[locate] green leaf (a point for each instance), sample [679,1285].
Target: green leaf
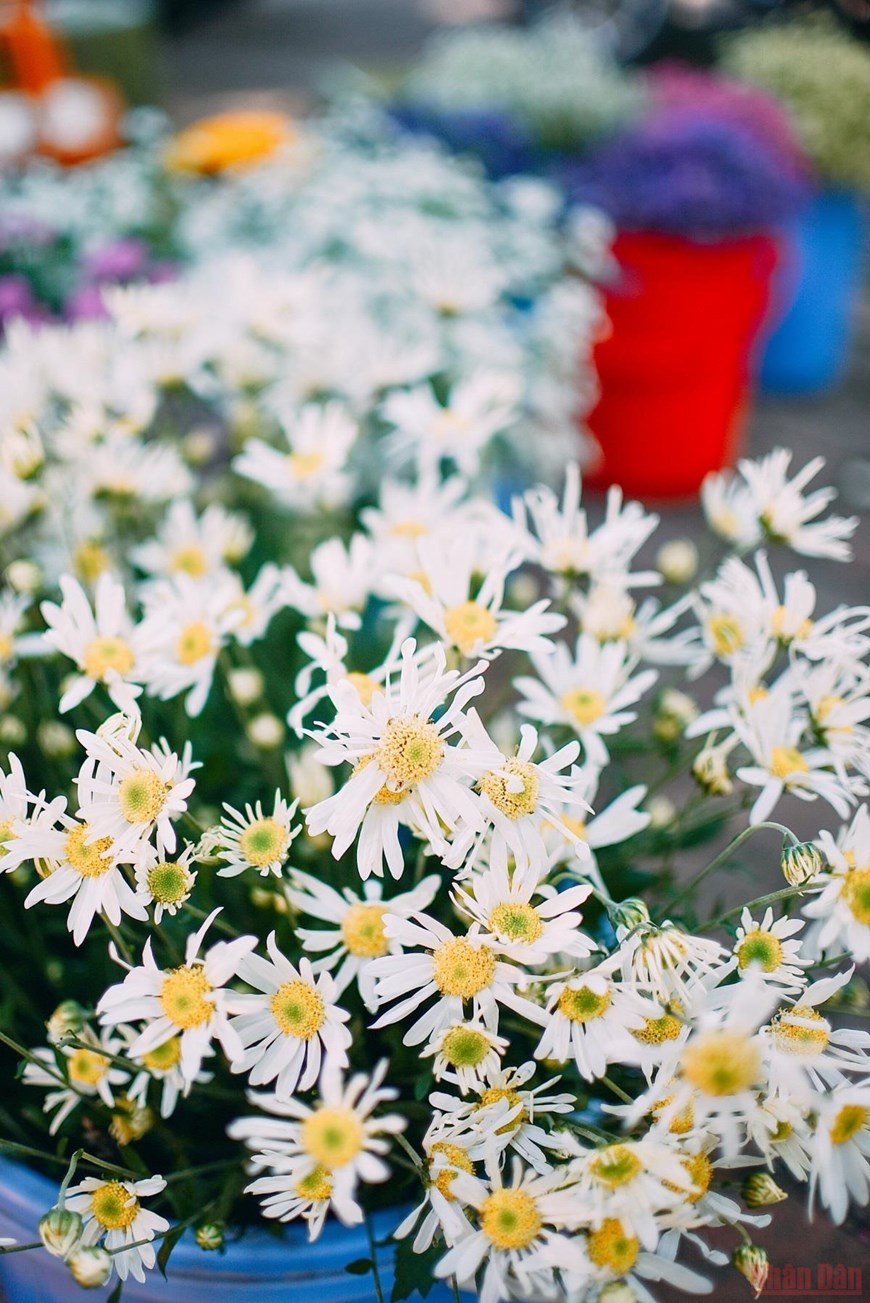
[359,1267]
[415,1272]
[115,1296]
[170,1240]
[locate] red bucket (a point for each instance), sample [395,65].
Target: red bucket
[674,370]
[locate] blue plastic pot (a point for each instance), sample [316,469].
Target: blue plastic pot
[816,292]
[256,1267]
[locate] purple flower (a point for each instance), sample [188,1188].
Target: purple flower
[86,304]
[494,136]
[120,261]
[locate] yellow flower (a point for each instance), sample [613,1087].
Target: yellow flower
[229,140]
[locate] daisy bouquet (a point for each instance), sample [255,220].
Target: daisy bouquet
[341,857]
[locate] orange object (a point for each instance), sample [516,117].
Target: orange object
[76,118]
[675,369]
[229,140]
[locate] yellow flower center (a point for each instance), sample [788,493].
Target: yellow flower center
[655,1031]
[493,1094]
[583,1004]
[515,922]
[408,529]
[365,686]
[465,1047]
[316,1186]
[762,948]
[105,654]
[512,799]
[469,624]
[169,882]
[190,560]
[89,560]
[681,1123]
[801,1031]
[410,751]
[615,1165]
[163,1057]
[333,1136]
[611,1246]
[142,795]
[263,842]
[183,996]
[778,621]
[851,1119]
[726,634]
[298,1009]
[457,1158]
[194,642]
[785,761]
[510,1219]
[363,932]
[856,893]
[86,1067]
[7,832]
[700,1172]
[114,1207]
[90,859]
[459,968]
[305,465]
[575,826]
[584,705]
[721,1063]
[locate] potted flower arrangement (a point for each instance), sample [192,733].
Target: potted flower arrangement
[516,97]
[344,947]
[820,74]
[696,189]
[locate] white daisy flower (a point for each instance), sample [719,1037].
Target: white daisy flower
[805,1052]
[454,969]
[515,1242]
[667,961]
[429,434]
[102,642]
[357,933]
[765,948]
[611,824]
[517,799]
[342,579]
[465,1054]
[589,1018]
[162,1065]
[520,1108]
[312,472]
[786,515]
[589,691]
[292,1027]
[167,884]
[195,545]
[249,611]
[527,930]
[440,593]
[14,803]
[113,1215]
[632,1182]
[405,769]
[255,840]
[841,912]
[841,1151]
[408,513]
[837,696]
[89,1070]
[128,794]
[318,1155]
[191,1002]
[77,865]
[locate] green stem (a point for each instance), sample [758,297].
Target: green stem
[27,1151]
[722,857]
[219,925]
[38,1062]
[617,1090]
[785,894]
[122,947]
[20,1248]
[379,1293]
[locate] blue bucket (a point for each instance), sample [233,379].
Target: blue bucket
[818,283]
[258,1266]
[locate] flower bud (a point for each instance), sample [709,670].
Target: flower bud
[266,731]
[55,739]
[310,778]
[710,771]
[800,863]
[752,1262]
[68,1019]
[661,811]
[60,1231]
[131,1121]
[760,1189]
[630,913]
[678,560]
[12,731]
[24,576]
[210,1235]
[675,711]
[245,685]
[617,1291]
[90,1266]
